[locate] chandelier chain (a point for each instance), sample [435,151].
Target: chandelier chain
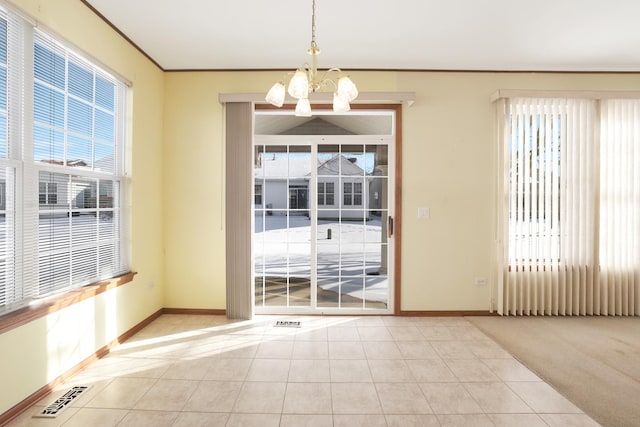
[313,24]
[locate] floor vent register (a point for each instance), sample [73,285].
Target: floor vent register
[60,404]
[288,324]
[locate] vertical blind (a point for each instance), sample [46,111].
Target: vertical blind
[619,251]
[61,184]
[238,230]
[569,207]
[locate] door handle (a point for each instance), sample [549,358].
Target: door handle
[390,226]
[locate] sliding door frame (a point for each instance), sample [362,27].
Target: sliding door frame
[397,191]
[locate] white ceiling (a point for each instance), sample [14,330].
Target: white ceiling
[502,35]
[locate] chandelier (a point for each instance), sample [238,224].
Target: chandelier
[306,80]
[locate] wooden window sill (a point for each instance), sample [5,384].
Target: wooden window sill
[50,305]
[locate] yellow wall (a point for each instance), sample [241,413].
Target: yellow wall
[449,142]
[37,353]
[449,165]
[194,179]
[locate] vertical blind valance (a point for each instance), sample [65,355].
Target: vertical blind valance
[568,207]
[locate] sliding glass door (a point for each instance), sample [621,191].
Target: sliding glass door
[351,241]
[282,230]
[321,240]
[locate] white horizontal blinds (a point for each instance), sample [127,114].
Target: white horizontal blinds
[550,193]
[75,110]
[12,34]
[11,70]
[77,136]
[4,71]
[619,252]
[7,242]
[8,289]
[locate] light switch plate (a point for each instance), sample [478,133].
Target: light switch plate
[424,213]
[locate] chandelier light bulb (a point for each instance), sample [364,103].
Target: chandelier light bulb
[340,104]
[275,96]
[303,108]
[299,85]
[347,89]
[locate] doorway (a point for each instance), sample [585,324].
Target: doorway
[298,197]
[323,235]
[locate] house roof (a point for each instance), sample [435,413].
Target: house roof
[502,35]
[274,166]
[340,165]
[76,162]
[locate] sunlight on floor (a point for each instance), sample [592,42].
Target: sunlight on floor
[184,370]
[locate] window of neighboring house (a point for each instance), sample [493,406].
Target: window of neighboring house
[257,194]
[2,196]
[68,148]
[48,193]
[325,194]
[347,194]
[352,195]
[357,193]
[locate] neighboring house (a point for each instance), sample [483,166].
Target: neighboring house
[344,196]
[3,196]
[56,192]
[342,186]
[277,192]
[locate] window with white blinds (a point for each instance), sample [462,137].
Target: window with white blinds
[61,141]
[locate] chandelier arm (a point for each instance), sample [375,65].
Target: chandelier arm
[330,70]
[286,76]
[325,82]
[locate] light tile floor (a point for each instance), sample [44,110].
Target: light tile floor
[332,371]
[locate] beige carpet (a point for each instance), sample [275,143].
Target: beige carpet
[593,361]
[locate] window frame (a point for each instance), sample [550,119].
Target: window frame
[357,194]
[257,194]
[347,194]
[24,211]
[50,194]
[326,194]
[353,195]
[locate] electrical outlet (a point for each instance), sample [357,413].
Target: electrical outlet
[480,281]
